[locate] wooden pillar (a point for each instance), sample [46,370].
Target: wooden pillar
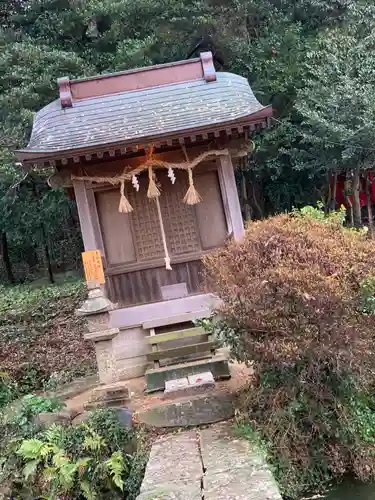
[86,211]
[231,202]
[89,221]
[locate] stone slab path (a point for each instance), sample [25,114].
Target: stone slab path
[207,464]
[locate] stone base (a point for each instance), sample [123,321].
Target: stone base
[109,396]
[190,412]
[193,385]
[217,365]
[129,369]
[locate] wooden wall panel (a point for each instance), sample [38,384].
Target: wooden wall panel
[210,213]
[115,227]
[179,218]
[147,234]
[140,287]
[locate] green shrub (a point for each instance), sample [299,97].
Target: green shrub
[31,405]
[18,419]
[30,377]
[293,303]
[56,473]
[367,296]
[95,460]
[8,389]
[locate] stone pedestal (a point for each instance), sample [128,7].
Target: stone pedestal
[96,311]
[109,396]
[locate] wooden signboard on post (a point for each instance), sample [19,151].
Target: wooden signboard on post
[93,266]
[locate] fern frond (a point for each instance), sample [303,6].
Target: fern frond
[88,492]
[67,475]
[49,474]
[116,467]
[94,442]
[31,448]
[30,468]
[47,449]
[82,464]
[55,435]
[60,459]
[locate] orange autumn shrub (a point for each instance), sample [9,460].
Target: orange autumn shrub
[291,303]
[292,288]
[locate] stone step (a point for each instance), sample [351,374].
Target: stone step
[202,409]
[209,464]
[166,453]
[235,469]
[217,365]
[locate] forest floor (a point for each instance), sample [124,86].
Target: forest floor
[41,339]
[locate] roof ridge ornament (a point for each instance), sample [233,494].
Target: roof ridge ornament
[208,67]
[65,92]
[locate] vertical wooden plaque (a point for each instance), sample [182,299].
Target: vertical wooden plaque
[93,266]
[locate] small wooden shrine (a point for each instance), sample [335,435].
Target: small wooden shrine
[150,154]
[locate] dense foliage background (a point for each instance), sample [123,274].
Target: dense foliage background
[313,60]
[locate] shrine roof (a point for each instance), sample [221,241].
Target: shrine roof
[187,97]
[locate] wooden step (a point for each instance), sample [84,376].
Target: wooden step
[178,318]
[176,335]
[179,352]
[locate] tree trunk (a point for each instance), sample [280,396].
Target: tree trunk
[348,202]
[369,206]
[332,206]
[328,201]
[357,216]
[48,257]
[245,199]
[44,240]
[6,259]
[256,204]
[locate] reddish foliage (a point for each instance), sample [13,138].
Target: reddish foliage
[43,336]
[292,288]
[291,303]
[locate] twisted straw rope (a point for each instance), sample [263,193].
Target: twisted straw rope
[152,162]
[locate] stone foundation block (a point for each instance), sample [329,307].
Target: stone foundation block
[190,386]
[174,385]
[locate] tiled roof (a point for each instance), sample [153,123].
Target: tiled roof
[143,115]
